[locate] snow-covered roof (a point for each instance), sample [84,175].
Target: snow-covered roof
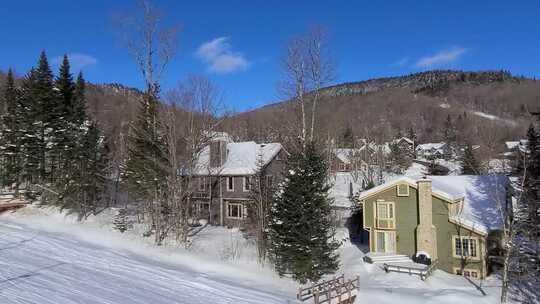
[406,139]
[431,146]
[511,145]
[344,154]
[224,136]
[481,195]
[522,145]
[243,158]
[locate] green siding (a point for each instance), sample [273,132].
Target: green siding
[407,220]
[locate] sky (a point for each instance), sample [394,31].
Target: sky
[240,44]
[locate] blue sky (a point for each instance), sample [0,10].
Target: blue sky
[239,44]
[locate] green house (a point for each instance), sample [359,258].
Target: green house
[454,220]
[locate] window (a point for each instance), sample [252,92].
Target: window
[469,273]
[202,184]
[235,210]
[269,181]
[385,215]
[465,247]
[247,183]
[403,190]
[230,183]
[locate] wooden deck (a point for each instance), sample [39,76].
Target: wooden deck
[423,271]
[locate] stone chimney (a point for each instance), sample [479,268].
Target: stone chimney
[218,153]
[426,233]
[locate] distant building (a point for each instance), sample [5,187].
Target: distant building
[224,174]
[431,151]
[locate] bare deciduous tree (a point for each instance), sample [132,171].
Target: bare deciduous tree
[307,68]
[151,44]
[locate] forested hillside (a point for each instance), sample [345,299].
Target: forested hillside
[487,108]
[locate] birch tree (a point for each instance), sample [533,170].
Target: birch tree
[307,68]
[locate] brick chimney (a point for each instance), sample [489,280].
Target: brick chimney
[218,153]
[426,233]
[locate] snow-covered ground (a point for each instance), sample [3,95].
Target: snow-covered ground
[48,257]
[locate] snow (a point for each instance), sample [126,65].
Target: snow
[340,190]
[48,259]
[377,286]
[431,147]
[483,196]
[344,154]
[243,158]
[494,117]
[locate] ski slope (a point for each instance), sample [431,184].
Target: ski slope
[43,266]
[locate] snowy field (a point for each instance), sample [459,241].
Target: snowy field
[50,258]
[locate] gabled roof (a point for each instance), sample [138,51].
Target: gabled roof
[344,154]
[406,139]
[482,197]
[243,158]
[431,146]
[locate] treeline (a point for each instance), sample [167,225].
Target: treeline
[48,144]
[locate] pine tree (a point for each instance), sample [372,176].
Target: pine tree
[436,169]
[146,161]
[302,240]
[469,163]
[32,145]
[78,110]
[10,142]
[120,221]
[41,104]
[450,137]
[65,135]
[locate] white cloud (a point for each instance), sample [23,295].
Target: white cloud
[77,61]
[441,58]
[402,62]
[220,58]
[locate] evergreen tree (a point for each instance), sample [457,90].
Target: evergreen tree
[78,110]
[532,178]
[32,145]
[412,136]
[120,220]
[302,237]
[450,138]
[10,141]
[436,169]
[146,161]
[348,137]
[66,135]
[41,103]
[400,158]
[469,163]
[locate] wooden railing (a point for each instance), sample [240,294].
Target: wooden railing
[424,273]
[337,290]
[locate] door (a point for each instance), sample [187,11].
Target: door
[385,242]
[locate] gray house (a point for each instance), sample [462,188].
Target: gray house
[224,177]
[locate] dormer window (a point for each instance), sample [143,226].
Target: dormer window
[402,190]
